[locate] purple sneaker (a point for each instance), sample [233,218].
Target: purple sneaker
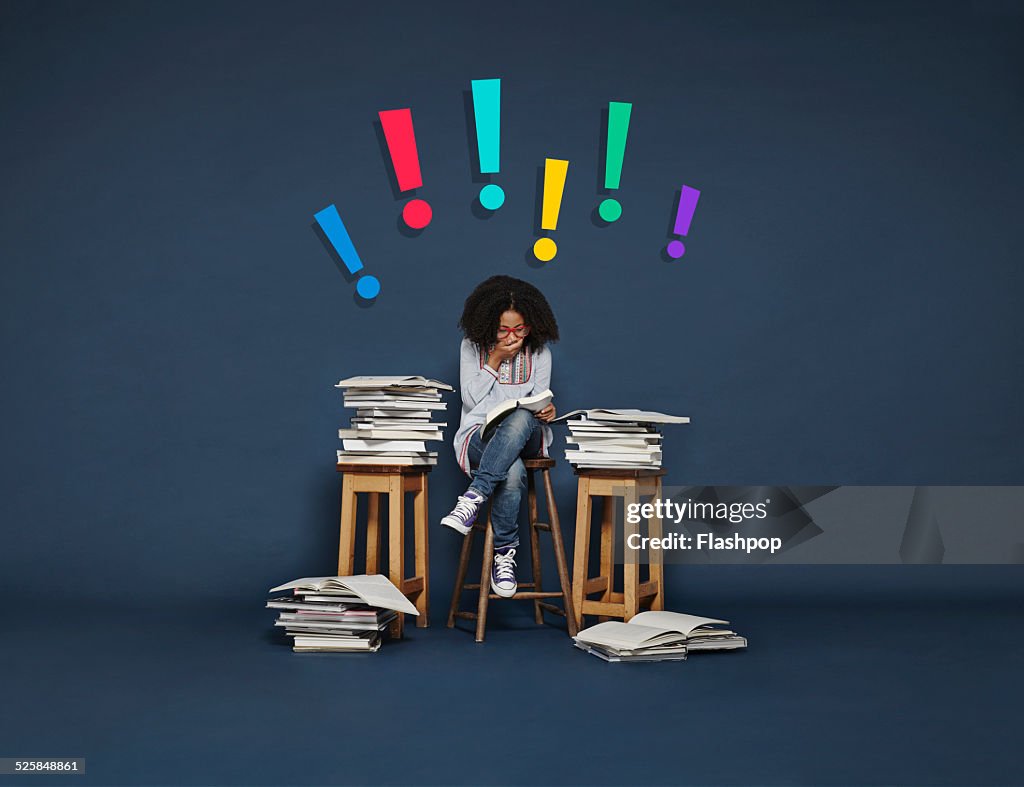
[463,516]
[503,572]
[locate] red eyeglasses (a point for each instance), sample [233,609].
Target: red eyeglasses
[519,331]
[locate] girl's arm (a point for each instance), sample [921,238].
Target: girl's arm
[541,370]
[474,383]
[542,381]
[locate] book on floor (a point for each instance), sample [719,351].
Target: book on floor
[500,412]
[338,614]
[657,636]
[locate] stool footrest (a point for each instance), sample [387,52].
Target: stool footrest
[542,526]
[602,608]
[530,594]
[412,585]
[551,608]
[595,585]
[465,615]
[476,586]
[647,589]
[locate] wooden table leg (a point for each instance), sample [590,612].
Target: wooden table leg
[421,521]
[631,560]
[396,543]
[581,552]
[372,532]
[347,529]
[607,549]
[657,556]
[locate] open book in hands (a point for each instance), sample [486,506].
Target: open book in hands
[500,412]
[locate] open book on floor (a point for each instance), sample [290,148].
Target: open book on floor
[500,412]
[657,636]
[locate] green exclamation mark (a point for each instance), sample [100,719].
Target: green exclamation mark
[618,128]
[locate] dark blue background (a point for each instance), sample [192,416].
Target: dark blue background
[848,310]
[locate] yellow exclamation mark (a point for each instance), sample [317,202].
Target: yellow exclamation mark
[555,170]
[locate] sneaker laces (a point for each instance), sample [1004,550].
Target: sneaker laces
[464,508]
[504,565]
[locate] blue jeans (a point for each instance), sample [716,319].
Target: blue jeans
[499,473]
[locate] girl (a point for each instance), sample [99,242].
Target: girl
[507,324]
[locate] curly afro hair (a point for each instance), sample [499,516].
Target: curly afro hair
[481,315]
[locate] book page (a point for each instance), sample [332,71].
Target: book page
[623,636]
[672,621]
[307,583]
[377,590]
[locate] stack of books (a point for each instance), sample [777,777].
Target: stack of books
[615,438]
[657,636]
[392,423]
[338,614]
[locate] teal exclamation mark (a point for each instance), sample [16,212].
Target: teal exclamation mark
[487,115]
[618,128]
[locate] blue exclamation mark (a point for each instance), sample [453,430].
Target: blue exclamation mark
[487,114]
[334,228]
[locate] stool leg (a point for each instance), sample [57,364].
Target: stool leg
[460,575]
[420,519]
[607,550]
[631,567]
[656,556]
[372,533]
[581,553]
[396,543]
[560,562]
[485,580]
[531,498]
[347,538]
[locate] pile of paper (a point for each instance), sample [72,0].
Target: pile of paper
[616,438]
[392,423]
[657,636]
[338,614]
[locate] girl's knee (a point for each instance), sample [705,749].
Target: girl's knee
[516,474]
[521,420]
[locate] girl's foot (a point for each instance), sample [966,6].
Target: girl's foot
[503,573]
[463,516]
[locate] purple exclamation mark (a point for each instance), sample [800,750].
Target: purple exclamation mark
[684,215]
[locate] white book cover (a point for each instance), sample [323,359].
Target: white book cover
[385,445]
[364,381]
[384,404]
[626,415]
[345,458]
[389,434]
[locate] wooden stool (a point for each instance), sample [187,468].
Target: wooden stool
[536,592]
[394,481]
[611,483]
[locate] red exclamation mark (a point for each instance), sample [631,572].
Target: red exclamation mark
[401,139]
